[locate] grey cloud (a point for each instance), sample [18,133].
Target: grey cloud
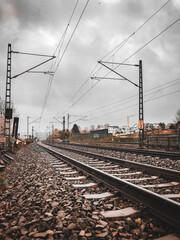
[101,25]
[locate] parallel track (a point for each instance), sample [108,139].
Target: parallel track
[164,208]
[164,172]
[162,154]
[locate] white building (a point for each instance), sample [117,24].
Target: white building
[113,130]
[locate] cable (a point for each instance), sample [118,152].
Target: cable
[81,97]
[78,90]
[127,39]
[119,46]
[134,105]
[145,45]
[68,23]
[72,34]
[50,80]
[152,39]
[134,97]
[162,96]
[60,44]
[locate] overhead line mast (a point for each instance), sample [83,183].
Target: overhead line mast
[8,109]
[140,86]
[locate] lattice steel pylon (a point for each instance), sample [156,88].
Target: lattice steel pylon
[141,110]
[8,109]
[63,128]
[140,86]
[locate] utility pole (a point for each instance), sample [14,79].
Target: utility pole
[141,110]
[140,86]
[28,126]
[63,128]
[32,132]
[52,132]
[28,123]
[8,109]
[68,122]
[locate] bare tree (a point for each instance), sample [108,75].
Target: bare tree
[177,119]
[98,127]
[177,116]
[106,125]
[92,128]
[162,125]
[75,129]
[85,130]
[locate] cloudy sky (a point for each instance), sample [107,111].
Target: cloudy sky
[95,29]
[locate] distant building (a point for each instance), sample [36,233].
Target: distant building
[148,126]
[113,130]
[131,130]
[99,133]
[156,126]
[56,132]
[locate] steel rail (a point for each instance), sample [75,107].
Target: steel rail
[161,172]
[163,154]
[164,208]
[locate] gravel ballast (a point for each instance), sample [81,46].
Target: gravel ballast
[39,204]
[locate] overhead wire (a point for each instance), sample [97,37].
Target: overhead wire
[87,79]
[81,97]
[78,90]
[138,50]
[117,48]
[136,104]
[127,39]
[72,34]
[60,44]
[66,47]
[72,14]
[135,95]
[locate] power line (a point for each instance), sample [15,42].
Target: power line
[79,90]
[60,44]
[118,48]
[149,100]
[131,35]
[134,97]
[72,34]
[81,97]
[172,24]
[135,105]
[51,77]
[67,24]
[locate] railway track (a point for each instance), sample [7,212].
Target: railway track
[162,154]
[157,188]
[142,159]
